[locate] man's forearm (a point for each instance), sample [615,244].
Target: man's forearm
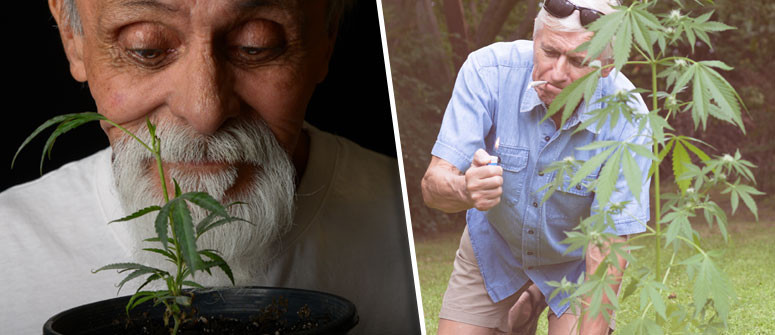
[445,191]
[594,257]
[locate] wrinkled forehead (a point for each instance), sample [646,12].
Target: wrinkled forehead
[562,41]
[105,11]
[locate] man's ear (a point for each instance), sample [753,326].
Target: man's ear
[72,42]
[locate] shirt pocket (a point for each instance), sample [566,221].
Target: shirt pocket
[571,203]
[582,189]
[514,163]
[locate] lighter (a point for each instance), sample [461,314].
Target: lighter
[494,160]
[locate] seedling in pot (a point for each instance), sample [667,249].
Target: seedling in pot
[176,232]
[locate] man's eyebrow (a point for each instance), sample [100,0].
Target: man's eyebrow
[251,4]
[153,4]
[549,48]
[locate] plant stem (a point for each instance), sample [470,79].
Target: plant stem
[129,133]
[657,198]
[176,326]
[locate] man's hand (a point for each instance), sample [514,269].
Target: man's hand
[445,188]
[484,182]
[593,259]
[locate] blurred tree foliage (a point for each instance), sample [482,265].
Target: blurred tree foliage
[429,39]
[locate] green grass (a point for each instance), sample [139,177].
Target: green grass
[748,260]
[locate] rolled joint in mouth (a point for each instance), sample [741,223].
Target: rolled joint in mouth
[536,83]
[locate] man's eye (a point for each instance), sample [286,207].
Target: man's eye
[253,51]
[255,55]
[149,53]
[148,57]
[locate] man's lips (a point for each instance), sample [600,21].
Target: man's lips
[551,89]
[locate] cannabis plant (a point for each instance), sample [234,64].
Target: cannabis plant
[679,86]
[176,232]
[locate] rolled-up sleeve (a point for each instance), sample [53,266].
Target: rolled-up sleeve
[469,114]
[633,217]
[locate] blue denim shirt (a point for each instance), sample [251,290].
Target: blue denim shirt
[519,239]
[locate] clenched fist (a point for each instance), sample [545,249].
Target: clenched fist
[484,182]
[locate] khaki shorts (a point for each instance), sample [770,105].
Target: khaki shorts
[466,299]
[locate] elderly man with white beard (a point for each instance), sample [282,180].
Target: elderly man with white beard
[227,83]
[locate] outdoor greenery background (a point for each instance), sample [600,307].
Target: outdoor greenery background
[429,39]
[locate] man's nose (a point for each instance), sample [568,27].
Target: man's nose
[560,69]
[207,90]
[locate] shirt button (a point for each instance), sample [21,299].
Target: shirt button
[530,232]
[547,138]
[529,253]
[535,204]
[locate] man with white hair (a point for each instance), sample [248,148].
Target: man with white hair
[227,84]
[511,247]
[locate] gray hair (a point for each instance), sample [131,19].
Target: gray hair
[572,23]
[336,10]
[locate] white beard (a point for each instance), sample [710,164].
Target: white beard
[269,195]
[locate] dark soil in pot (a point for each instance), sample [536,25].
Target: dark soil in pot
[250,310]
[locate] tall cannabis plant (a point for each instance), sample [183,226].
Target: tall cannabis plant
[679,86]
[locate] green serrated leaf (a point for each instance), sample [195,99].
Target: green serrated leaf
[623,44]
[124,267]
[605,28]
[642,150]
[138,214]
[184,232]
[590,166]
[657,301]
[220,262]
[571,96]
[680,158]
[712,284]
[90,116]
[697,151]
[609,174]
[641,33]
[205,201]
[138,298]
[220,223]
[177,188]
[162,252]
[632,174]
[133,275]
[192,284]
[160,224]
[151,279]
[204,223]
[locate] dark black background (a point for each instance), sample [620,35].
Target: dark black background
[352,102]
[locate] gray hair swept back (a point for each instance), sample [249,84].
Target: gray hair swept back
[572,23]
[336,10]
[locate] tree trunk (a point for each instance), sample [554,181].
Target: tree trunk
[458,31]
[492,21]
[438,62]
[527,23]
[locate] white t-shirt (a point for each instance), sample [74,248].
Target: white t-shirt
[349,239]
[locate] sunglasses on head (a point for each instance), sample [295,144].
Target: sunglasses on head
[564,8]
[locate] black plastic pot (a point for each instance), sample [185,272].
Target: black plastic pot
[243,303]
